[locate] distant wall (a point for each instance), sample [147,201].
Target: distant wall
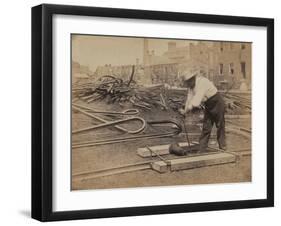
[227,64]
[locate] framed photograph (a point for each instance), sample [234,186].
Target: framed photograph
[145,112]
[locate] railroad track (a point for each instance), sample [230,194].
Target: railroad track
[145,165]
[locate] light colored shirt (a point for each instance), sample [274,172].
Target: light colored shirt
[202,91]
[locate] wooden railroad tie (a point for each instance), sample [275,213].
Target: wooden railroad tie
[214,157]
[193,162]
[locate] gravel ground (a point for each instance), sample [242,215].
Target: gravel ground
[107,156]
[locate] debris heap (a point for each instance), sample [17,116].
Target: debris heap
[237,104]
[115,90]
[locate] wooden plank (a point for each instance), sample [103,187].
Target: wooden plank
[160,166]
[194,162]
[201,161]
[158,149]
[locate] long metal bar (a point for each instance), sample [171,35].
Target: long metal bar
[113,124]
[186,134]
[136,137]
[159,156]
[133,111]
[112,171]
[96,117]
[238,131]
[131,167]
[124,139]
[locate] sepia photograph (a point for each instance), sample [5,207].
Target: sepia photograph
[159,112]
[141,112]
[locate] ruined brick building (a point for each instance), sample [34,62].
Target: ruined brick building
[227,64]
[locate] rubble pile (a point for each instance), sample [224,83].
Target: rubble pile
[237,104]
[115,90]
[107,87]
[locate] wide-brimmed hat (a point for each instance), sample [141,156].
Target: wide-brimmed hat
[186,75]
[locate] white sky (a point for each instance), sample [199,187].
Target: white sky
[93,51]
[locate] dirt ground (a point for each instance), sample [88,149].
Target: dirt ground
[112,155]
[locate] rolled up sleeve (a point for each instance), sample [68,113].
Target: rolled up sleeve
[197,98]
[198,94]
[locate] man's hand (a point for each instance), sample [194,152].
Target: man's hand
[182,111]
[188,108]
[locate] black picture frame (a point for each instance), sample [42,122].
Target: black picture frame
[42,107]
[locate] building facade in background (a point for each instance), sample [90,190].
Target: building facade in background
[227,64]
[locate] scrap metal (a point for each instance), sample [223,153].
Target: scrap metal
[177,129]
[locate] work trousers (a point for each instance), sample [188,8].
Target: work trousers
[214,114]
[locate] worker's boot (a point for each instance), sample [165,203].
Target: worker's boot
[222,147]
[194,148]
